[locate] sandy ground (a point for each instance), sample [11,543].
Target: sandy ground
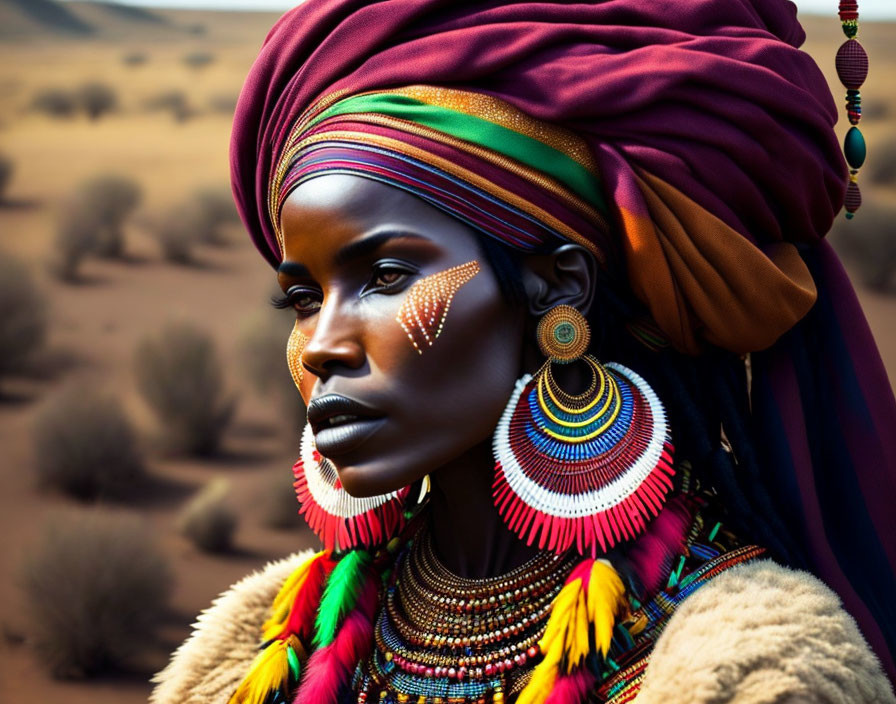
[95,325]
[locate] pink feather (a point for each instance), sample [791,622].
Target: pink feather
[572,688]
[652,555]
[304,608]
[329,669]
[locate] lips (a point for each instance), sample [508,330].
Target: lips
[340,423]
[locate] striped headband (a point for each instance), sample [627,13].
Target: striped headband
[520,180]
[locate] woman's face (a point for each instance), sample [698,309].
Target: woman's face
[354,248]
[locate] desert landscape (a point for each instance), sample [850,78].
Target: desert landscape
[115,222]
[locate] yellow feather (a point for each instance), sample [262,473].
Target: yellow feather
[269,672]
[284,600]
[544,675]
[577,637]
[606,601]
[562,611]
[574,612]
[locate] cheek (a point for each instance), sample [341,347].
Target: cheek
[425,307]
[461,375]
[295,346]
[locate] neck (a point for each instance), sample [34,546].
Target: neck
[468,535]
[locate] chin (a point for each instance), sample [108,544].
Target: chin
[362,481]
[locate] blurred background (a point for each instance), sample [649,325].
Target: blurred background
[148,423]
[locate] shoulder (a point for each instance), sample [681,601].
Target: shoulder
[762,633]
[209,665]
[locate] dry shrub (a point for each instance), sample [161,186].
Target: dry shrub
[109,199]
[134,59]
[23,316]
[181,379]
[199,220]
[55,102]
[212,210]
[262,352]
[882,163]
[223,103]
[279,506]
[173,101]
[97,588]
[96,99]
[75,238]
[176,234]
[209,521]
[7,168]
[198,59]
[85,446]
[868,241]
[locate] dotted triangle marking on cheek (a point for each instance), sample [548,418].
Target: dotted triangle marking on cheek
[422,315]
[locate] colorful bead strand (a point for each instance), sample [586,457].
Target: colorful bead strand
[852,70]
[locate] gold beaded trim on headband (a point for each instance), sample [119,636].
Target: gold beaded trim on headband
[470,177]
[487,107]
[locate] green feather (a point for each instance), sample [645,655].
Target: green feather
[340,595]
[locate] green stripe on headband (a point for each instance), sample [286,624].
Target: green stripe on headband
[470,128]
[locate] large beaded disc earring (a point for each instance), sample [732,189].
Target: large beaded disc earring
[340,520]
[583,471]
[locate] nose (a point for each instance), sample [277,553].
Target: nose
[335,342]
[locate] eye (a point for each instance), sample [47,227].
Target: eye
[305,300]
[389,275]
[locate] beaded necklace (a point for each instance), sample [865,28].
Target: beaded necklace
[441,637]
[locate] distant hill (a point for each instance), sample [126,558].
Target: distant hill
[25,17]
[30,19]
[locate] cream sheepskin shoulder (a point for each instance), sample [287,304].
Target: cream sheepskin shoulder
[209,665]
[763,634]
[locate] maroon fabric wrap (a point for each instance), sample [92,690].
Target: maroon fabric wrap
[711,96]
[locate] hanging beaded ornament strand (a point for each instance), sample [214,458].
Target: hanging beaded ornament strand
[852,70]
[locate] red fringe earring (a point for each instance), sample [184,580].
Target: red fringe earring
[585,471]
[339,519]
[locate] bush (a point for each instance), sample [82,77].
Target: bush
[97,588]
[23,322]
[279,506]
[176,234]
[96,99]
[868,242]
[76,235]
[198,59]
[7,168]
[208,521]
[225,104]
[134,59]
[108,200]
[85,446]
[882,164]
[262,352]
[173,101]
[180,377]
[212,209]
[55,102]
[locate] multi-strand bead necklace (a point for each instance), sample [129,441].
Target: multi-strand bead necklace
[441,638]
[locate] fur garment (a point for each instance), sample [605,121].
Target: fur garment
[757,634]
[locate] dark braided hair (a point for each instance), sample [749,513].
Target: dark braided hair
[702,395]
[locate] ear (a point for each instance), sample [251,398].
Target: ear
[567,275]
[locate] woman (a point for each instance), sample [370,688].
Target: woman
[578,365]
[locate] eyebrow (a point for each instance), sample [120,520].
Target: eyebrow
[353,250]
[368,245]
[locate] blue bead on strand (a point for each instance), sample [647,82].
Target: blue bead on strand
[852,70]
